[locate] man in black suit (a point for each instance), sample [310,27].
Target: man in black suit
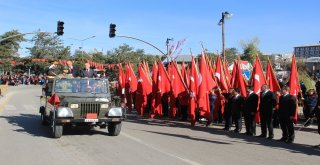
[227,111]
[268,102]
[250,110]
[73,69]
[237,109]
[287,110]
[88,72]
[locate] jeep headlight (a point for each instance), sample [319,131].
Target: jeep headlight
[64,112]
[115,112]
[104,105]
[74,106]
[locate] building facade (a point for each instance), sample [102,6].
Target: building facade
[307,51]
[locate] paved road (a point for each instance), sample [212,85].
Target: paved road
[23,140]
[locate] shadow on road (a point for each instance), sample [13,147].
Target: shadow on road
[31,124]
[233,137]
[187,137]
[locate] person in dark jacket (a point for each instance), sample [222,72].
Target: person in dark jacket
[310,102]
[237,109]
[316,112]
[276,122]
[212,98]
[227,111]
[88,72]
[250,110]
[75,71]
[268,102]
[287,111]
[318,87]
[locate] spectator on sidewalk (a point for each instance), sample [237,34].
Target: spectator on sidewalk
[310,103]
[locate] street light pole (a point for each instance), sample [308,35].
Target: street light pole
[226,15]
[167,44]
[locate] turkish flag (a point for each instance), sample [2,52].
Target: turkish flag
[193,87]
[154,89]
[294,84]
[239,80]
[221,76]
[227,73]
[121,81]
[271,78]
[177,83]
[177,86]
[144,88]
[257,79]
[234,72]
[54,100]
[130,85]
[184,74]
[162,86]
[131,80]
[206,83]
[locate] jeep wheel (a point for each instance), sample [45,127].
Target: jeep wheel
[57,130]
[114,129]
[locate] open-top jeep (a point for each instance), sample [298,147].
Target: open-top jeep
[80,102]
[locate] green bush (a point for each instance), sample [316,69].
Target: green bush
[306,79]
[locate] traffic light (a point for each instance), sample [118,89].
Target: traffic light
[112,32]
[60,28]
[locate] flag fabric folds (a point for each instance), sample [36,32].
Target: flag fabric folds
[257,79]
[193,88]
[206,83]
[271,78]
[294,83]
[144,88]
[221,76]
[54,100]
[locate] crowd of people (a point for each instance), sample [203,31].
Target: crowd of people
[276,110]
[21,79]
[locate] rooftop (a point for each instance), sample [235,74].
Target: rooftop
[317,44]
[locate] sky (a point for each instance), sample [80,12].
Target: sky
[280,25]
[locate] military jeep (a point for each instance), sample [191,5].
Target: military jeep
[73,102]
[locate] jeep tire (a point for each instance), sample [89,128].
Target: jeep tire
[114,128]
[57,130]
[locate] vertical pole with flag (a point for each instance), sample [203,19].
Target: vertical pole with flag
[294,84]
[257,79]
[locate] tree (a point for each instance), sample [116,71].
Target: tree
[10,47]
[49,46]
[98,57]
[126,54]
[250,50]
[231,55]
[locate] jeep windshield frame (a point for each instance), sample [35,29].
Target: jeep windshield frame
[81,86]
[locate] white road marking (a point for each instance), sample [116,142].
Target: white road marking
[159,150]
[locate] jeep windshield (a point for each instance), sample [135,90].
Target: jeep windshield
[87,85]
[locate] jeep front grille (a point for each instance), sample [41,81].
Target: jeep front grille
[89,108]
